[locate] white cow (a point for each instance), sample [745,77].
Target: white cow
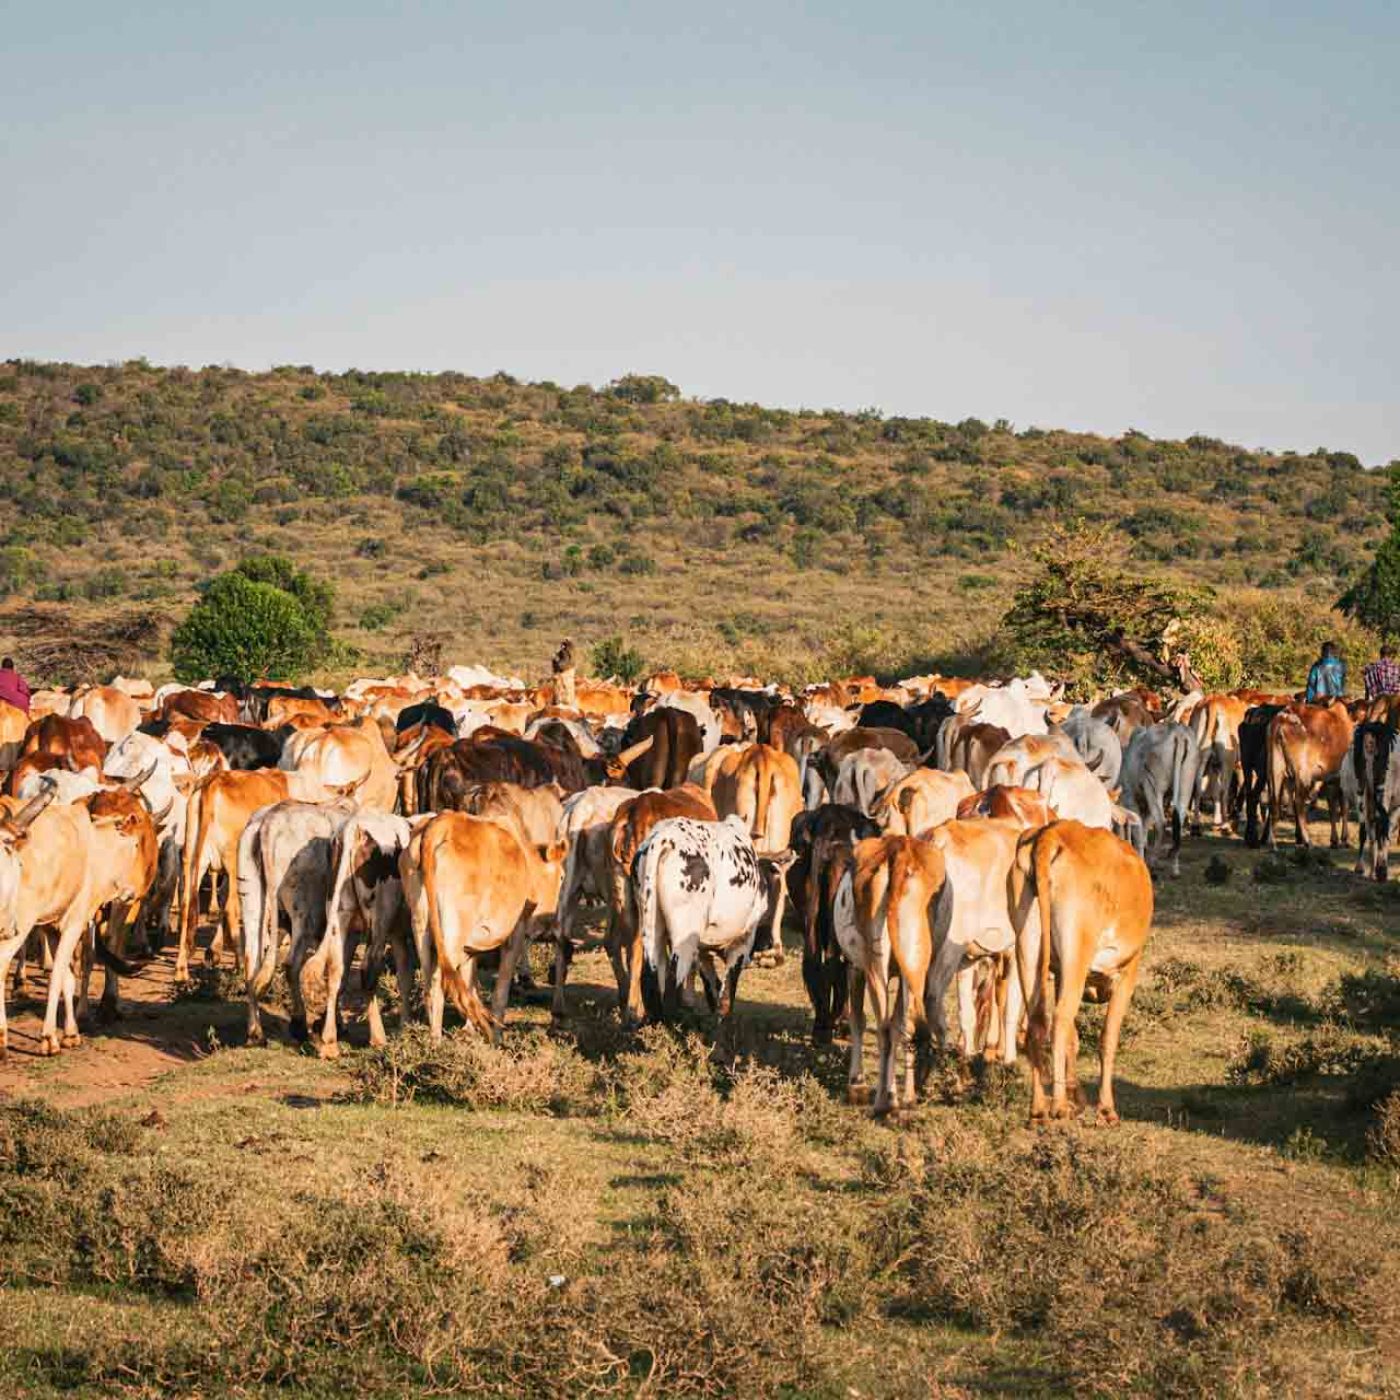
[702,891]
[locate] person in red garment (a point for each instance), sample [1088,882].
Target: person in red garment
[14,689]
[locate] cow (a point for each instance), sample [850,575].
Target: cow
[14,724]
[245,747]
[218,811]
[1011,762]
[1125,714]
[75,741]
[1158,782]
[1024,805]
[44,881]
[1092,895]
[1253,738]
[366,902]
[587,828]
[972,748]
[822,843]
[672,743]
[631,824]
[122,857]
[1216,724]
[1307,746]
[701,893]
[881,918]
[112,713]
[973,925]
[346,759]
[829,761]
[473,887]
[864,775]
[1377,780]
[919,801]
[534,814]
[284,868]
[426,712]
[202,705]
[1096,742]
[697,705]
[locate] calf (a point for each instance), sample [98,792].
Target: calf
[1093,897]
[701,892]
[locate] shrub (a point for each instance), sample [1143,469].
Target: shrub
[251,628]
[611,657]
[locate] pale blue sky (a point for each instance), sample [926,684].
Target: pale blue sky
[1181,218]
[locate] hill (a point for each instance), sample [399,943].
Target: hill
[502,515]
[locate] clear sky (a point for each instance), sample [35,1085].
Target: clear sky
[1175,217]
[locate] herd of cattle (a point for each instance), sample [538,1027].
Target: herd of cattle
[928,835]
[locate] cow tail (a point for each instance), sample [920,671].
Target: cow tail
[1042,860]
[766,777]
[262,967]
[189,875]
[463,993]
[648,915]
[894,898]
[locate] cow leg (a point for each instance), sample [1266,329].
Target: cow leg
[857,1091]
[61,984]
[945,968]
[510,956]
[1039,997]
[1108,1047]
[329,1048]
[967,1009]
[1009,991]
[814,979]
[296,959]
[878,988]
[8,949]
[561,973]
[1064,1037]
[633,1008]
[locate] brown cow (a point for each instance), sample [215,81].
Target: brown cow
[14,724]
[219,809]
[1307,746]
[201,705]
[974,747]
[920,800]
[75,740]
[113,713]
[123,854]
[1125,714]
[1019,804]
[882,924]
[1094,897]
[472,887]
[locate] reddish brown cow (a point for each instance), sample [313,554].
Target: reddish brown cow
[1307,746]
[75,740]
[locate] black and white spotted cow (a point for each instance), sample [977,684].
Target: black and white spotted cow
[702,892]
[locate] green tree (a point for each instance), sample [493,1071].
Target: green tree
[1374,598]
[1084,617]
[252,628]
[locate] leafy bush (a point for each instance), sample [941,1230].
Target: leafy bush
[246,625]
[611,657]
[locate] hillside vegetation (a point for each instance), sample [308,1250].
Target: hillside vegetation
[712,535]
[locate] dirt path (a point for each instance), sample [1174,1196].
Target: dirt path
[154,1035]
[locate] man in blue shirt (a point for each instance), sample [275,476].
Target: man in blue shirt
[1328,678]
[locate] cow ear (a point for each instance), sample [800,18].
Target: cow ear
[554,852]
[1115,794]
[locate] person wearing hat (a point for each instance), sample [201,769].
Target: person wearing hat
[14,689]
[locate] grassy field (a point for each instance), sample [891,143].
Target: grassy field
[587,1212]
[499,516]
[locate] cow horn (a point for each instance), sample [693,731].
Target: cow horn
[141,778]
[1094,763]
[29,813]
[635,751]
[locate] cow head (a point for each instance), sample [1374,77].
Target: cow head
[618,765]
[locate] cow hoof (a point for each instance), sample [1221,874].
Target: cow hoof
[109,1012]
[822,1036]
[329,1052]
[858,1094]
[71,1040]
[296,1028]
[1064,1112]
[49,1045]
[256,1037]
[1106,1117]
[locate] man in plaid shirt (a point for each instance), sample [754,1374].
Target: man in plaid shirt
[1382,677]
